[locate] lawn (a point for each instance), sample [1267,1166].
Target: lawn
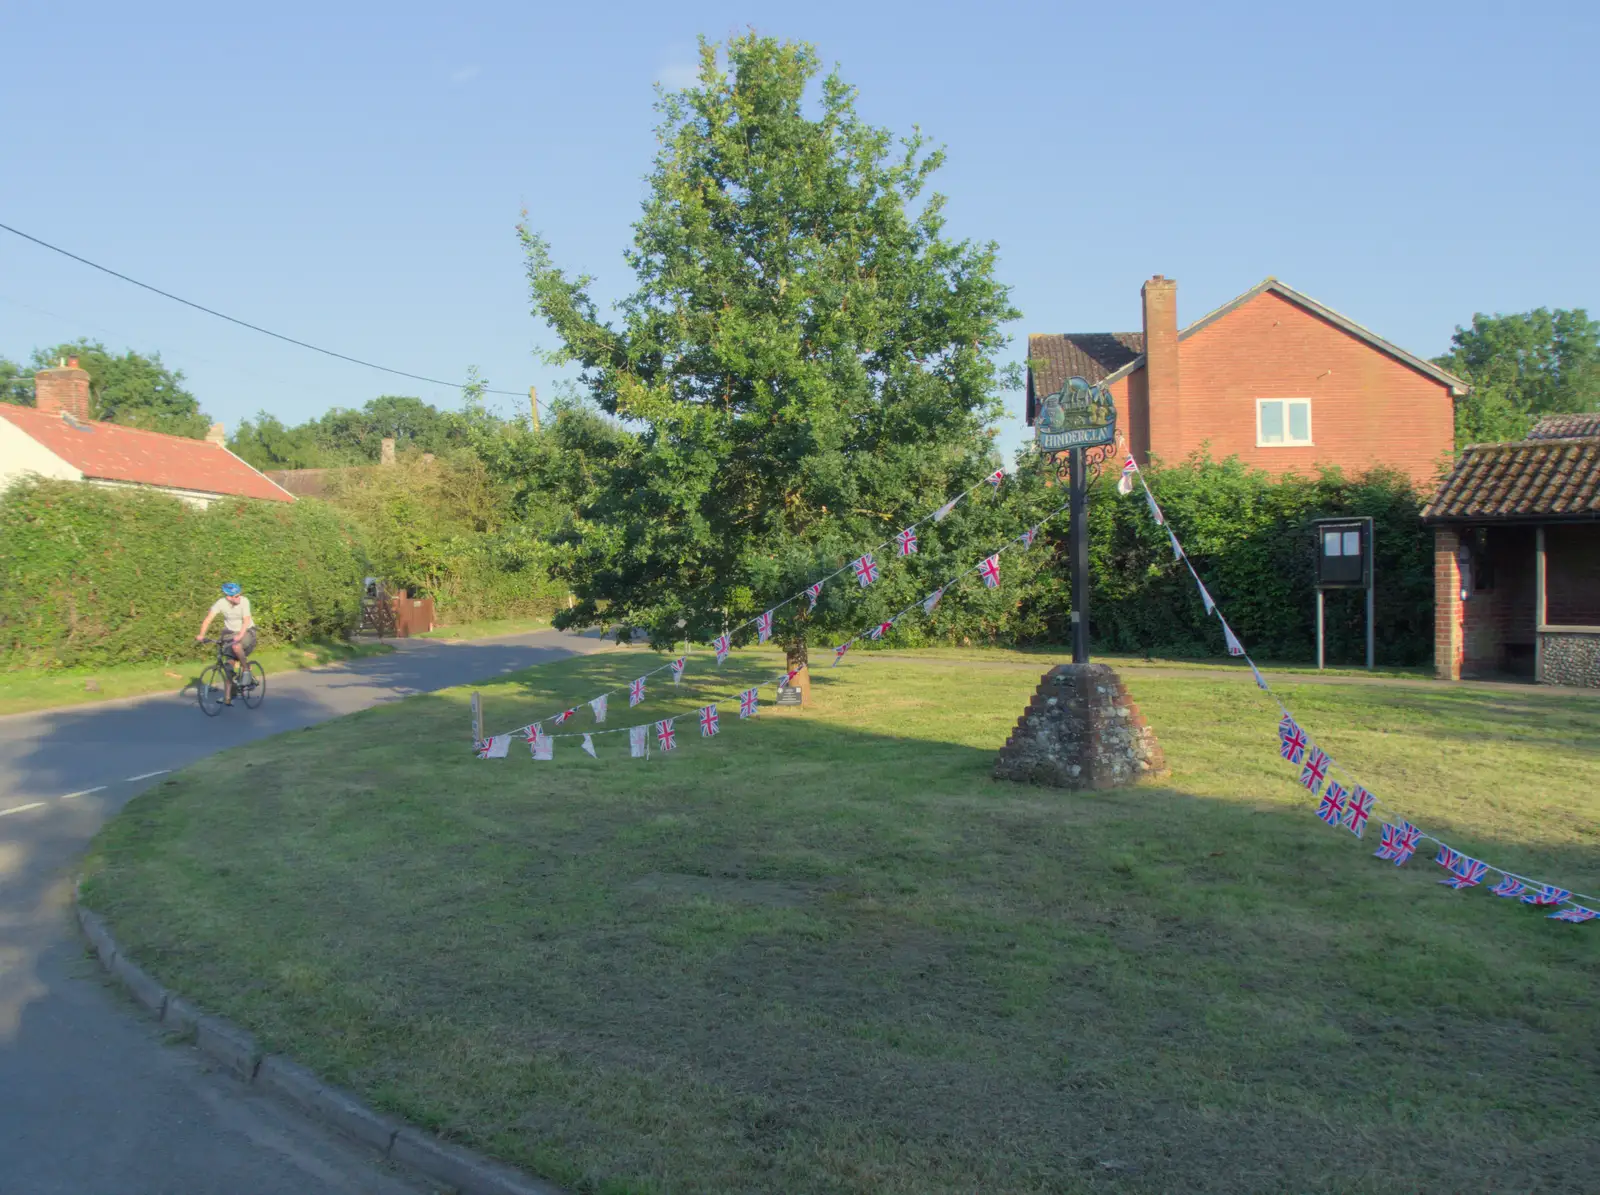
[488,628]
[825,952]
[35,689]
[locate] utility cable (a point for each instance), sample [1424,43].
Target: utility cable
[416,377]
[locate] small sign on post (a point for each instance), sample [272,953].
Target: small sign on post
[1344,561]
[477,719]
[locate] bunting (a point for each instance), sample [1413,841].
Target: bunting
[639,741]
[989,570]
[764,627]
[866,570]
[635,692]
[907,541]
[495,747]
[598,705]
[588,746]
[749,700]
[813,592]
[708,721]
[722,645]
[666,738]
[678,666]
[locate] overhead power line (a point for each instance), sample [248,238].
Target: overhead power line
[417,377]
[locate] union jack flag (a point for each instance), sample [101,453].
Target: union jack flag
[1292,742]
[1546,894]
[789,679]
[989,570]
[907,540]
[665,736]
[721,646]
[1575,913]
[677,668]
[1315,769]
[879,631]
[1331,809]
[493,748]
[708,721]
[1235,648]
[1469,873]
[1399,842]
[866,570]
[1359,808]
[1029,536]
[813,592]
[838,652]
[565,716]
[764,627]
[1447,856]
[939,515]
[932,600]
[749,699]
[996,478]
[635,692]
[1509,886]
[1125,482]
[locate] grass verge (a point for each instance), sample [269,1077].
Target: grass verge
[824,952]
[487,628]
[25,691]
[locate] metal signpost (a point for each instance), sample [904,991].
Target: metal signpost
[1344,561]
[1080,420]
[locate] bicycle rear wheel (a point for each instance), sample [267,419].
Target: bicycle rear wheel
[209,690]
[252,683]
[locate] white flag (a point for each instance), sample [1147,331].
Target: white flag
[938,515]
[536,735]
[1155,511]
[1235,648]
[588,747]
[932,600]
[598,705]
[544,747]
[1125,484]
[1177,551]
[1205,596]
[639,741]
[494,748]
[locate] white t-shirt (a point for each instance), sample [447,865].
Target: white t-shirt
[233,616]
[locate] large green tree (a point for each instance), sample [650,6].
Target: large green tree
[134,389]
[350,435]
[1523,366]
[809,362]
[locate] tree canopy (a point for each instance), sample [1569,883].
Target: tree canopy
[134,389]
[808,361]
[349,436]
[1521,367]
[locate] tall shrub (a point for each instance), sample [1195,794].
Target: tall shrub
[96,576]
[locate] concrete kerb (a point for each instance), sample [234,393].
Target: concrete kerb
[468,1172]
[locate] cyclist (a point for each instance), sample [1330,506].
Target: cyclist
[238,629]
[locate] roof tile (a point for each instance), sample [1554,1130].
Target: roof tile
[1091,356]
[1566,427]
[1558,479]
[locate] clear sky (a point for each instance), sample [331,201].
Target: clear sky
[351,173]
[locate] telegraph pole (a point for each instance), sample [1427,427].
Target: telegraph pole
[533,402]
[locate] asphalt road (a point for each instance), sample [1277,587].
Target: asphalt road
[92,1101]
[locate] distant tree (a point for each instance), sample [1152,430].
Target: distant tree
[16,384]
[1521,367]
[349,435]
[267,443]
[134,389]
[809,361]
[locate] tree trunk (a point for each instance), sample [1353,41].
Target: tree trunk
[794,651]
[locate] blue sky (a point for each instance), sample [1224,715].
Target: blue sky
[351,174]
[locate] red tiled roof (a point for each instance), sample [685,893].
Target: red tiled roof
[1087,355]
[1530,479]
[111,452]
[1566,427]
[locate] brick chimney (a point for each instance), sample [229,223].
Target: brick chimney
[1161,368]
[217,435]
[63,388]
[386,451]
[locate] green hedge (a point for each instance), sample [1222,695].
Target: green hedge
[91,576]
[1250,537]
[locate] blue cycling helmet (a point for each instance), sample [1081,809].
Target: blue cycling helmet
[231,589]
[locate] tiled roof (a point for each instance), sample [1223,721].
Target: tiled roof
[1555,479]
[111,452]
[1091,356]
[1566,427]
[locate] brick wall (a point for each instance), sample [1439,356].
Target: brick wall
[1366,407]
[1446,605]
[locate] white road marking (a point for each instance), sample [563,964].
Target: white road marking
[145,775]
[22,808]
[84,793]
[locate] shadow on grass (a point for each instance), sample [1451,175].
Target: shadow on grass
[827,952]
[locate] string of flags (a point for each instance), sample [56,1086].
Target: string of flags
[1342,802]
[866,567]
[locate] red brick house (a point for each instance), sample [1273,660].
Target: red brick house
[1516,562]
[1273,377]
[56,438]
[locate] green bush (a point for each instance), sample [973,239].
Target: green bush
[1250,538]
[96,576]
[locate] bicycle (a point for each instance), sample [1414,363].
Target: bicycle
[249,680]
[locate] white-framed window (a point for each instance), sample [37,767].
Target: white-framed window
[1283,422]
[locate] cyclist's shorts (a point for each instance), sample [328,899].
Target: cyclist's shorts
[247,641]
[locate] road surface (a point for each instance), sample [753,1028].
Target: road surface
[92,1102]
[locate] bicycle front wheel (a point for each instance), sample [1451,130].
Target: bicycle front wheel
[209,690]
[252,683]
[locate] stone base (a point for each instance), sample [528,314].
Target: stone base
[1081,731]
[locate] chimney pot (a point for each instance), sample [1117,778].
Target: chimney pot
[72,363]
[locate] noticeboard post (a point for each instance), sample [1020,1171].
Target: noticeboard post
[1344,561]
